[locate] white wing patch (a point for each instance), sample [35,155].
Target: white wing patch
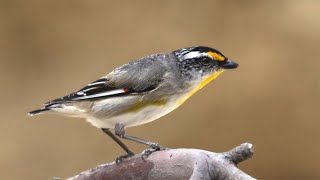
[96,83]
[102,94]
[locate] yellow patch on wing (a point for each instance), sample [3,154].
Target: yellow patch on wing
[140,105]
[203,83]
[216,56]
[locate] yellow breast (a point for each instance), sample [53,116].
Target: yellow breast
[202,84]
[143,104]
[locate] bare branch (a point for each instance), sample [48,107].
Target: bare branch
[176,164]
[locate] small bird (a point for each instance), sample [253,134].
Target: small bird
[142,91]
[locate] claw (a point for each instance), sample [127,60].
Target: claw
[157,146]
[146,153]
[154,147]
[123,157]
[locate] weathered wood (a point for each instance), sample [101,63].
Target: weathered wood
[176,164]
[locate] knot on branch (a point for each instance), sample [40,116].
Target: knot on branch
[240,153]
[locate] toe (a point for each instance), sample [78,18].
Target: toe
[123,157]
[155,146]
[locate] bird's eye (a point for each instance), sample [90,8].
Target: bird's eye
[206,61]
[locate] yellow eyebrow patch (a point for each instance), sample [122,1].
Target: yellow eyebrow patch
[216,56]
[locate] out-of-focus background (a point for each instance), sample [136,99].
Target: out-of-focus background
[51,48]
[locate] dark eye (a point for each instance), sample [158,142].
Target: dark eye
[206,61]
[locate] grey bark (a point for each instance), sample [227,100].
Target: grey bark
[177,164]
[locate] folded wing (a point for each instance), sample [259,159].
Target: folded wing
[134,78]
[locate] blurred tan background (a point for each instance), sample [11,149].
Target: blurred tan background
[51,48]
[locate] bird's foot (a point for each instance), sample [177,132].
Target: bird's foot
[154,147]
[123,157]
[157,147]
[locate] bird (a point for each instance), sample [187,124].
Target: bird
[141,91]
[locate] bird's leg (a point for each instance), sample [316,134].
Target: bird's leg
[120,131]
[120,143]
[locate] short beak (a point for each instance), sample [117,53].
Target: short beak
[228,64]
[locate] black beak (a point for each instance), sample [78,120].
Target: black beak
[228,64]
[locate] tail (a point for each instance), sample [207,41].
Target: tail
[70,110]
[38,111]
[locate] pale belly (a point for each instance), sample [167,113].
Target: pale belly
[129,119]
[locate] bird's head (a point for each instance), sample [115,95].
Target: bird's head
[202,64]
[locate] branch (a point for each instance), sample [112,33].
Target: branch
[176,164]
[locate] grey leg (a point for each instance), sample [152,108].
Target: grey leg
[120,131]
[124,147]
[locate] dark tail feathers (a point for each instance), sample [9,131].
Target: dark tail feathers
[38,111]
